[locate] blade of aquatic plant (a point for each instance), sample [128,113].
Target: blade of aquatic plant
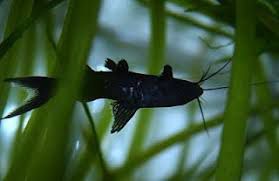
[96,143]
[209,9]
[157,148]
[191,172]
[49,42]
[191,20]
[156,60]
[181,136]
[208,173]
[264,99]
[83,164]
[95,139]
[21,27]
[236,113]
[24,151]
[95,159]
[19,10]
[197,23]
[97,146]
[73,50]
[18,22]
[50,158]
[85,157]
[268,19]
[183,155]
[266,172]
[104,123]
[26,144]
[26,66]
[26,62]
[192,109]
[224,12]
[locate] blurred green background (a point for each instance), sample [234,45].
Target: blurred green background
[65,140]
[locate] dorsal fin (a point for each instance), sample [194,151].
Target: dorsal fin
[110,64]
[167,72]
[122,66]
[122,114]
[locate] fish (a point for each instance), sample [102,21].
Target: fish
[129,90]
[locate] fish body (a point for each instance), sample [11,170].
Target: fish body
[130,90]
[140,90]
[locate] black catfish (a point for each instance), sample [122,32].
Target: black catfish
[130,90]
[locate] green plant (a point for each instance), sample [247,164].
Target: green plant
[46,147]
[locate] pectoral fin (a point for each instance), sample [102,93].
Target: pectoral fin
[122,114]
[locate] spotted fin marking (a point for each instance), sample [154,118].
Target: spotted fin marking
[122,114]
[167,72]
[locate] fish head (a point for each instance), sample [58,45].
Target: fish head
[179,92]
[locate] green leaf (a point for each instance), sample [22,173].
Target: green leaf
[236,114]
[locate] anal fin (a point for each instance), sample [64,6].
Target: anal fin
[122,114]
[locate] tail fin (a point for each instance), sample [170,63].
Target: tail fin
[43,87]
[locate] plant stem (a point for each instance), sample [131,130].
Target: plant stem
[156,59]
[96,142]
[234,132]
[20,9]
[18,31]
[181,136]
[50,149]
